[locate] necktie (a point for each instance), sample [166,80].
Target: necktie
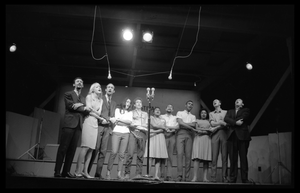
[108,101]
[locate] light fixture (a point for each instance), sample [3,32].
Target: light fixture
[13,47]
[249,66]
[127,34]
[170,76]
[147,36]
[109,75]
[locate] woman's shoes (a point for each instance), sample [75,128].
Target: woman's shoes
[193,180]
[206,181]
[120,178]
[87,176]
[78,175]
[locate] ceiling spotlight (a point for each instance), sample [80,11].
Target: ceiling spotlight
[147,37]
[13,47]
[109,75]
[170,76]
[249,66]
[127,34]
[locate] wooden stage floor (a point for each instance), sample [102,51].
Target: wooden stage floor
[22,181]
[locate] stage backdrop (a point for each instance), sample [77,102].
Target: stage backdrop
[162,98]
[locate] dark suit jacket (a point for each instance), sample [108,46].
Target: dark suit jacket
[105,109]
[241,131]
[72,117]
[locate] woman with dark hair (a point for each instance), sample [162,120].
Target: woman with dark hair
[158,152]
[202,145]
[120,136]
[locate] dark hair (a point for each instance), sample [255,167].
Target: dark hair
[207,117]
[77,78]
[154,109]
[122,105]
[189,101]
[137,98]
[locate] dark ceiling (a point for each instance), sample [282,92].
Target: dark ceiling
[206,46]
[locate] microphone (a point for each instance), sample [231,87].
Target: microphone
[153,89]
[148,93]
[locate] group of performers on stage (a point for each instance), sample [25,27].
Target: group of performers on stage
[97,117]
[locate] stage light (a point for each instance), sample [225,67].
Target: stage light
[170,76]
[249,66]
[147,37]
[109,75]
[13,48]
[127,34]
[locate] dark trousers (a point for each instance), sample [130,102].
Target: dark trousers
[139,145]
[237,148]
[67,148]
[184,146]
[100,150]
[219,145]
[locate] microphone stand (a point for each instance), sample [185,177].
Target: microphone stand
[150,97]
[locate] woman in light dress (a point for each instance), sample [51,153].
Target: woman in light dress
[157,147]
[202,145]
[89,130]
[120,136]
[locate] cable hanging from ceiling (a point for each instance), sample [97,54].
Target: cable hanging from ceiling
[105,55]
[170,75]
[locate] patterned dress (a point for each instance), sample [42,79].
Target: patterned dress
[202,142]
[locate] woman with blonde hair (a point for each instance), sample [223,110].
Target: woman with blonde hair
[89,130]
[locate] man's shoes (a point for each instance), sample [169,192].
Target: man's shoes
[100,178]
[168,178]
[68,175]
[57,175]
[179,179]
[247,181]
[127,177]
[213,180]
[225,179]
[137,176]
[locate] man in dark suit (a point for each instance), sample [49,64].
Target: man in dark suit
[104,130]
[75,110]
[238,140]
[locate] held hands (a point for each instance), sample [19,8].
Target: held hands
[223,123]
[103,121]
[113,120]
[75,106]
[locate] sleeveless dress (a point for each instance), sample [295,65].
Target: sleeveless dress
[202,143]
[90,127]
[157,146]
